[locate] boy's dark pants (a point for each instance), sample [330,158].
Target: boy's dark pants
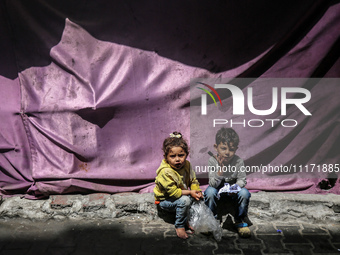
[241,201]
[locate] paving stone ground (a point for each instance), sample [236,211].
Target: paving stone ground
[141,235]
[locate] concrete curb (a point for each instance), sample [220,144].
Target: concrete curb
[264,207]
[285,207]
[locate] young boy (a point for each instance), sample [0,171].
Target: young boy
[228,169]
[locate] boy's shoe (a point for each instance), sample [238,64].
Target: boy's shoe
[243,229]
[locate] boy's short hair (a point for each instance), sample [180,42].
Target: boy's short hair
[227,135]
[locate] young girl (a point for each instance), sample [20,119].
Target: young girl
[174,178]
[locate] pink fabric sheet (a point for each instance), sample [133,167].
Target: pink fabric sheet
[94,118]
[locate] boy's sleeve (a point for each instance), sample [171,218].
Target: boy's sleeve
[214,179]
[241,175]
[195,185]
[168,181]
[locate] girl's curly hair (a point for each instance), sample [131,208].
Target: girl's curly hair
[175,140]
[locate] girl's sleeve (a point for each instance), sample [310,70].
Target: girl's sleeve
[168,181]
[195,185]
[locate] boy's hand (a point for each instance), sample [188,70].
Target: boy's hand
[196,194]
[220,160]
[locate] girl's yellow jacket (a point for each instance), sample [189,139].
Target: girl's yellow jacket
[171,182]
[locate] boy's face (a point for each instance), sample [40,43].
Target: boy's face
[176,158]
[225,152]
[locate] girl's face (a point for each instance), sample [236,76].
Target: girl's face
[176,158]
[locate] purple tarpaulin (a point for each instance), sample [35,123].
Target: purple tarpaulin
[87,97]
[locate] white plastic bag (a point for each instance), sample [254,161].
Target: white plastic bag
[202,219]
[228,189]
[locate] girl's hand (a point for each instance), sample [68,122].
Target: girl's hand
[196,194]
